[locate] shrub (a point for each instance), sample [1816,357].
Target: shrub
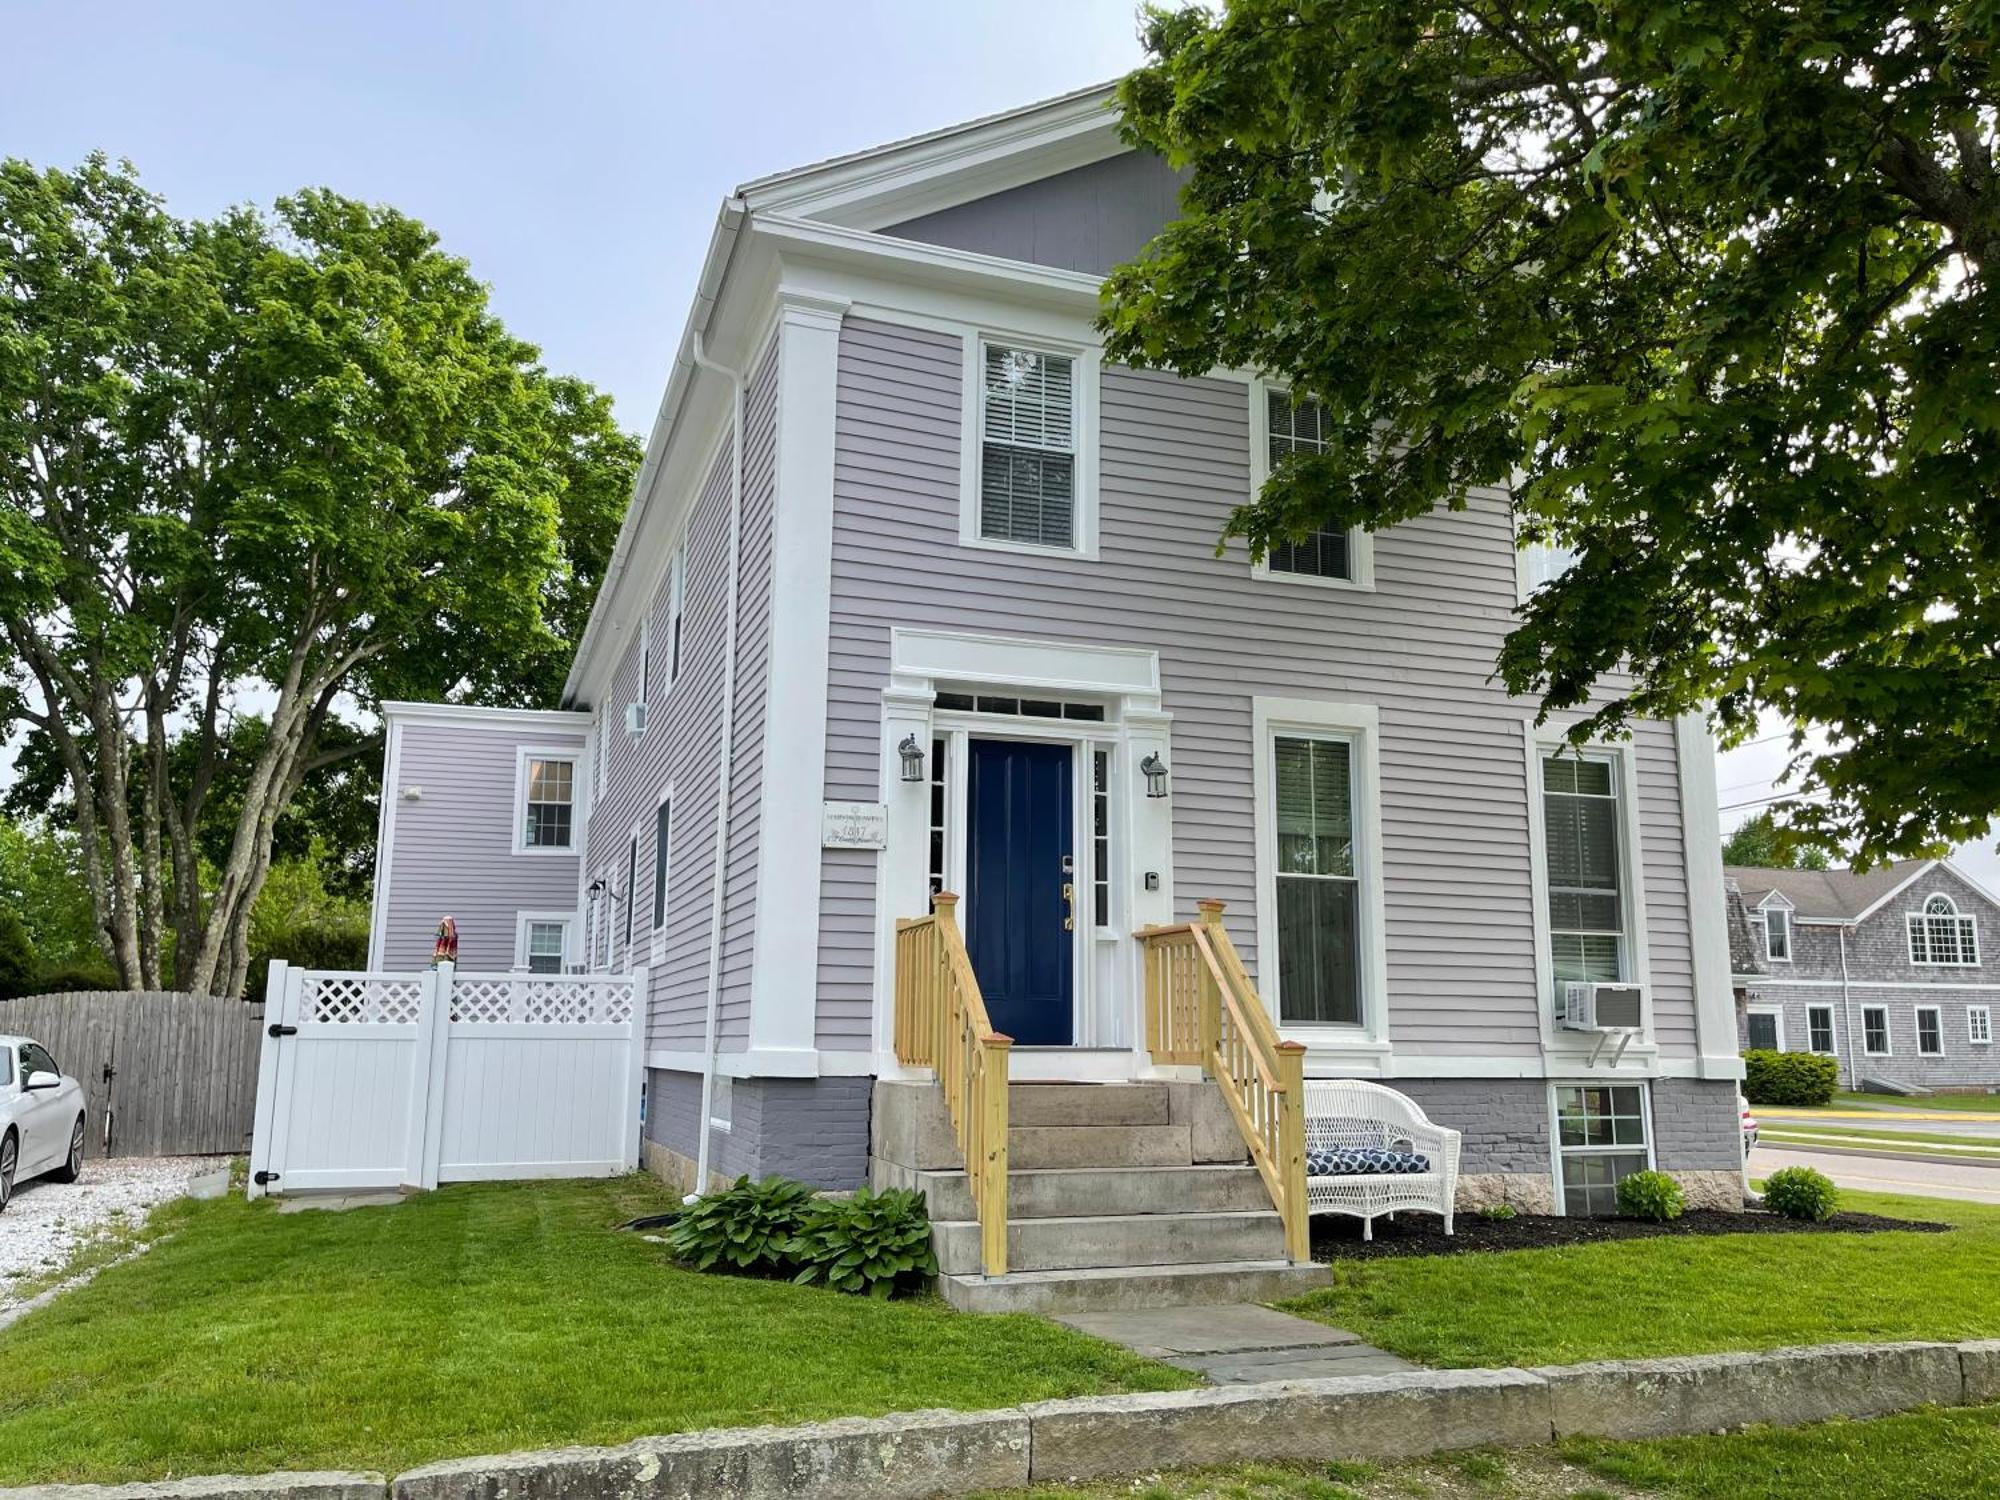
[746,1227]
[1789,1077]
[17,955]
[1651,1195]
[869,1242]
[1498,1213]
[74,979]
[1801,1193]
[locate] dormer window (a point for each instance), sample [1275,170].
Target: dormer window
[1778,934]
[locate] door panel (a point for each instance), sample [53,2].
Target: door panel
[1019,855]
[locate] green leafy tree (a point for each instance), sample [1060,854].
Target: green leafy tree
[1708,285]
[285,460]
[1760,842]
[41,882]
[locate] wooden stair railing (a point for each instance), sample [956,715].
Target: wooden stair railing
[941,1024]
[1201,1009]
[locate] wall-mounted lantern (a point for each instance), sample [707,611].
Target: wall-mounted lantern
[1155,771]
[913,758]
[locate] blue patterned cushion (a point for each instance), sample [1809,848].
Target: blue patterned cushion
[1363,1162]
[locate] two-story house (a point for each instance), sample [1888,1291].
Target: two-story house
[920,593]
[1887,971]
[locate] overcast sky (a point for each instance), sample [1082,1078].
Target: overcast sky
[574,153]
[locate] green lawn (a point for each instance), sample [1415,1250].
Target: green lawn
[1841,1134]
[1985,1103]
[1926,1455]
[473,1320]
[1695,1295]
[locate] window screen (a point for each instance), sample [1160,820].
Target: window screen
[1319,970]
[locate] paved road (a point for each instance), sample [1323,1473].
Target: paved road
[1884,1174]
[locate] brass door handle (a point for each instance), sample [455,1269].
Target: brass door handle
[1069,906]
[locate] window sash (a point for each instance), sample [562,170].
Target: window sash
[1317,880]
[1601,1138]
[1819,1028]
[548,818]
[1875,1030]
[1028,421]
[1583,832]
[1778,935]
[631,889]
[546,942]
[1765,1020]
[1930,1031]
[1944,938]
[1979,1024]
[662,860]
[1299,426]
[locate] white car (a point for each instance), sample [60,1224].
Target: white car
[41,1117]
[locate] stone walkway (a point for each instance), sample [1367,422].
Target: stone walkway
[1238,1343]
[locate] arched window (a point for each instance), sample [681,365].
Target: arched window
[1939,935]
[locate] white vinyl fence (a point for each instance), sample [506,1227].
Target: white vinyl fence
[409,1080]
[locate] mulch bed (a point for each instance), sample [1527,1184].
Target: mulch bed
[1337,1237]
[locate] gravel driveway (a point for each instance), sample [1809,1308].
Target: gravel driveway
[47,1220]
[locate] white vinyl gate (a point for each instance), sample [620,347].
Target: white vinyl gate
[409,1080]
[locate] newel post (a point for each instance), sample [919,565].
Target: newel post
[1292,1150]
[1209,1013]
[945,905]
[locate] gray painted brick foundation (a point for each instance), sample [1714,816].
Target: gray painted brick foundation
[1697,1125]
[811,1129]
[1505,1122]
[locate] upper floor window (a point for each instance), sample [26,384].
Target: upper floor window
[1778,934]
[662,862]
[1939,935]
[676,601]
[1289,424]
[1544,562]
[1028,447]
[548,803]
[1586,877]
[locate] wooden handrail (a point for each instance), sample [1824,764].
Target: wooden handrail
[941,1024]
[1201,1009]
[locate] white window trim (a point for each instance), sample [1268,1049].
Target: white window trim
[1832,1031]
[1937,1014]
[626,935]
[524,920]
[1556,1148]
[1360,540]
[1771,905]
[656,939]
[1888,1033]
[676,607]
[1089,360]
[1985,1013]
[1360,725]
[1538,740]
[575,755]
[1776,1012]
[1969,933]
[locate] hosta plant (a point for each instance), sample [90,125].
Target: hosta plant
[745,1227]
[873,1243]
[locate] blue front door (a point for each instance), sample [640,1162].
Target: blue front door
[1019,859]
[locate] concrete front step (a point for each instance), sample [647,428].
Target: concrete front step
[1064,1192]
[1132,1286]
[1038,1147]
[1089,1242]
[1088,1104]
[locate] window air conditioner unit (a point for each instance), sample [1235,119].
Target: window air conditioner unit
[1592,1006]
[635,718]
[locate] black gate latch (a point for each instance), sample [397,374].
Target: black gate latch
[277,1028]
[264,1179]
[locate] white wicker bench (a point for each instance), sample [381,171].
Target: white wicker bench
[1376,1127]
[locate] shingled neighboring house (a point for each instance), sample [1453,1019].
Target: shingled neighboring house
[1888,971]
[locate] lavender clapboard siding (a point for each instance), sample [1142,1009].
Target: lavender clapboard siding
[1175,460]
[452,853]
[679,749]
[1087,219]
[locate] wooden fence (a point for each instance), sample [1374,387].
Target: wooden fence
[163,1073]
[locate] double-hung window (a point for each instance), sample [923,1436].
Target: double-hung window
[1029,479]
[1875,1030]
[1819,1028]
[1930,1031]
[1765,1030]
[1318,883]
[1286,425]
[1778,934]
[631,890]
[548,803]
[662,862]
[1601,1140]
[1939,935]
[1979,1025]
[545,940]
[1581,820]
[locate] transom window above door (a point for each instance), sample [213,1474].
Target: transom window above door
[1318,884]
[1028,447]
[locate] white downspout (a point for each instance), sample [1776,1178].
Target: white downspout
[725,753]
[1847,1020]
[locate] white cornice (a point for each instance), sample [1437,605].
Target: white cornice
[935,265]
[471,716]
[907,179]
